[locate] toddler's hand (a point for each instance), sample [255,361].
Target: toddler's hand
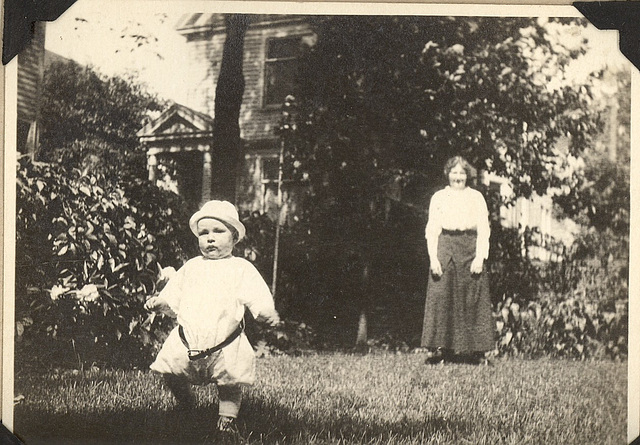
[154,304]
[273,319]
[151,304]
[160,306]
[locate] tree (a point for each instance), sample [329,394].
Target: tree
[380,115]
[229,91]
[89,119]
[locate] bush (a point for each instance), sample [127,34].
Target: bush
[576,307]
[85,262]
[512,273]
[565,326]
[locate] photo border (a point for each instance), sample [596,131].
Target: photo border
[8,119]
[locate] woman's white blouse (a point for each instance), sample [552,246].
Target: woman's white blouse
[452,209]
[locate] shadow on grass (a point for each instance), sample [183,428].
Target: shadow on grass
[89,409]
[268,424]
[261,422]
[125,426]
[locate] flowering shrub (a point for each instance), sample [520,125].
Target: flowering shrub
[85,262]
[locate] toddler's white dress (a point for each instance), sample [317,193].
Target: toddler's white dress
[209,298]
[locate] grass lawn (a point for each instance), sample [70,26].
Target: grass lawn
[338,398]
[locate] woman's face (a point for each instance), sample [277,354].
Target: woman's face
[215,239]
[457,177]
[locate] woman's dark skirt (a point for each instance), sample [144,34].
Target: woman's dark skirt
[457,313]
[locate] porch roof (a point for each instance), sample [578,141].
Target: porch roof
[178,123]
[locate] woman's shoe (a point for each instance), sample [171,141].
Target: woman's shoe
[434,360]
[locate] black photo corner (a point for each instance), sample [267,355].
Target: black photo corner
[623,16]
[7,437]
[20,15]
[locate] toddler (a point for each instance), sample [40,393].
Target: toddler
[208,296]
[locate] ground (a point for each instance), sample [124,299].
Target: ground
[341,398]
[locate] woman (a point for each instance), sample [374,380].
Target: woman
[457,319]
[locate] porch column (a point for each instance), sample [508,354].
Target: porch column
[206,176]
[152,163]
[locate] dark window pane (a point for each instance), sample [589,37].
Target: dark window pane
[279,81]
[270,169]
[283,48]
[280,69]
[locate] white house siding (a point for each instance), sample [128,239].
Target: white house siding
[258,122]
[204,57]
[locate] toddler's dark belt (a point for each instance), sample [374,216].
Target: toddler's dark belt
[197,354]
[459,232]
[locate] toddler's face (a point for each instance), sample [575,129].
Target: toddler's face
[215,239]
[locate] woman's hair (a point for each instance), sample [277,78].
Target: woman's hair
[452,162]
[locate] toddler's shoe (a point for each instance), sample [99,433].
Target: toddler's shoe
[227,432]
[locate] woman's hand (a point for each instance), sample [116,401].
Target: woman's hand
[476,265]
[436,267]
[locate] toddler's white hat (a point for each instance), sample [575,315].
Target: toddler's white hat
[221,210]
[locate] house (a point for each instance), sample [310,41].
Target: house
[178,143]
[548,234]
[31,62]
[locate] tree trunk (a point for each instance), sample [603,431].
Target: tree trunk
[226,145]
[361,338]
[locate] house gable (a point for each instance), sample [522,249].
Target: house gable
[175,123]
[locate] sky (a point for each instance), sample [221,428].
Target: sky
[90,33]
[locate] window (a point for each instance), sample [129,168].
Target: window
[23,136]
[269,179]
[280,69]
[270,168]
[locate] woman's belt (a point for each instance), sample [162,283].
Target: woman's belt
[197,354]
[459,232]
